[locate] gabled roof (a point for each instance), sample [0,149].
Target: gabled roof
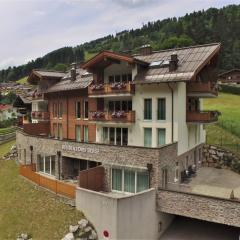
[108,56]
[36,75]
[191,61]
[228,72]
[83,80]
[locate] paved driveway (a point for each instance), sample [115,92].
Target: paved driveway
[191,229]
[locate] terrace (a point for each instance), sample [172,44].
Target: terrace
[202,89]
[202,116]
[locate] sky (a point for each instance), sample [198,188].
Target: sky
[32,28]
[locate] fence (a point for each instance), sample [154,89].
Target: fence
[53,185]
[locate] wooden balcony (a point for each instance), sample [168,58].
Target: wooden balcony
[40,115]
[109,90]
[120,116]
[202,116]
[202,89]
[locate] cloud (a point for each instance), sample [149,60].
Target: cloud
[133,3]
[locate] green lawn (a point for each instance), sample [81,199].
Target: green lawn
[22,80]
[4,131]
[229,106]
[89,55]
[227,131]
[26,209]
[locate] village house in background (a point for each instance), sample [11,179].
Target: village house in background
[123,135]
[7,112]
[230,77]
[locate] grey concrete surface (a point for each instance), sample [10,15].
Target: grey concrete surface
[191,229]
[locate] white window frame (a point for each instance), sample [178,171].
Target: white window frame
[84,110]
[44,165]
[115,135]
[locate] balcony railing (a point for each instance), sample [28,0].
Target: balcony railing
[37,129]
[202,116]
[202,89]
[111,89]
[40,115]
[37,96]
[118,116]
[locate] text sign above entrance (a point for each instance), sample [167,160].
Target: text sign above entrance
[67,147]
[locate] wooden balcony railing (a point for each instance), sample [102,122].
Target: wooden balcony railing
[111,89]
[202,116]
[202,88]
[56,186]
[37,96]
[120,116]
[40,115]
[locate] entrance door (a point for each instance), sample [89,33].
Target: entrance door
[164,177]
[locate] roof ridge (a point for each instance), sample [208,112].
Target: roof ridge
[46,70]
[180,48]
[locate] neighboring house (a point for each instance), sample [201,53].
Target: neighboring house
[7,112]
[232,76]
[124,126]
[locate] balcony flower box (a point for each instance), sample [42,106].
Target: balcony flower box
[40,115]
[97,87]
[118,86]
[97,115]
[118,114]
[33,114]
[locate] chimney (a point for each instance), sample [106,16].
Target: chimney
[145,50]
[73,72]
[173,63]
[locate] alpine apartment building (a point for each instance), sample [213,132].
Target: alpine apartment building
[121,127]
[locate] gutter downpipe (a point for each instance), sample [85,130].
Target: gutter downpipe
[172,111]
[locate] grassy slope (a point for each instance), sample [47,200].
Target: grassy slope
[89,55]
[6,130]
[22,80]
[229,106]
[24,208]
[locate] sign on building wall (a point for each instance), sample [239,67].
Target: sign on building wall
[71,148]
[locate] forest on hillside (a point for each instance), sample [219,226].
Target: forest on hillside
[213,25]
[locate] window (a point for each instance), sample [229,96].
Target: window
[129,181]
[78,109]
[86,109]
[132,181]
[115,136]
[55,110]
[60,110]
[176,177]
[85,137]
[47,164]
[60,134]
[119,105]
[117,179]
[161,114]
[148,109]
[111,79]
[117,78]
[142,181]
[105,135]
[161,136]
[147,137]
[78,133]
[55,130]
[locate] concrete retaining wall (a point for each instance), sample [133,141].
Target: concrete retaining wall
[124,217]
[200,207]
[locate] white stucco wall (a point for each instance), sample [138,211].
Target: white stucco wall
[124,217]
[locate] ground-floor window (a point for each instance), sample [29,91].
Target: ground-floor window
[47,164]
[147,137]
[78,133]
[132,181]
[115,136]
[85,137]
[161,136]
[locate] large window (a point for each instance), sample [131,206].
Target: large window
[78,109]
[55,130]
[120,106]
[78,133]
[55,110]
[147,137]
[86,109]
[85,137]
[161,112]
[120,78]
[161,136]
[126,180]
[60,131]
[46,164]
[115,136]
[60,110]
[148,109]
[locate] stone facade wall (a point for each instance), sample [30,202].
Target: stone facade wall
[200,207]
[215,156]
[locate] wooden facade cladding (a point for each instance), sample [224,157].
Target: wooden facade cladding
[202,89]
[40,115]
[110,89]
[37,129]
[68,120]
[202,116]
